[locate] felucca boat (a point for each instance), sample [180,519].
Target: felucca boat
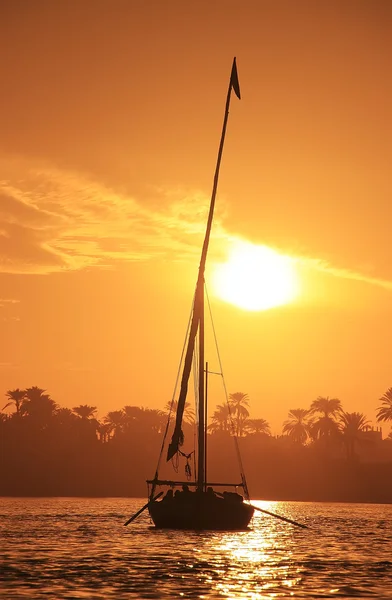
[198,503]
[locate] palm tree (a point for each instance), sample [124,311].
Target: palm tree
[84,411]
[15,397]
[384,412]
[147,418]
[38,406]
[64,421]
[65,415]
[115,419]
[220,420]
[154,419]
[189,417]
[34,393]
[326,426]
[329,407]
[131,413]
[298,425]
[238,404]
[351,426]
[87,423]
[103,430]
[258,426]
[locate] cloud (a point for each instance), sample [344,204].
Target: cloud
[7,365]
[7,305]
[323,266]
[53,220]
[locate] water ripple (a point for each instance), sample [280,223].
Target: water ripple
[68,548]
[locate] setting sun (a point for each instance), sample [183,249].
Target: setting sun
[255,278]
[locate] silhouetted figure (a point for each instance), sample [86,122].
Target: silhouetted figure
[169,496]
[233,496]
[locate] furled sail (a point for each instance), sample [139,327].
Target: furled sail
[177,436]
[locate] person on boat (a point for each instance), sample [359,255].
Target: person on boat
[168,496]
[233,496]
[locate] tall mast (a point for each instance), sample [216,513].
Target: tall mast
[197,322]
[199,297]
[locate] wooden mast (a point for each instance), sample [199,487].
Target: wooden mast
[206,420]
[199,297]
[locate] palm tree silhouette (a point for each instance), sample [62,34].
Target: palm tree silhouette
[149,419]
[351,426]
[384,412]
[115,419]
[104,430]
[238,405]
[65,416]
[16,397]
[34,393]
[84,411]
[87,421]
[298,425]
[258,426]
[189,417]
[220,420]
[326,426]
[38,406]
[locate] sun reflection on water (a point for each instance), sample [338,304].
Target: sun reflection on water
[79,548]
[251,564]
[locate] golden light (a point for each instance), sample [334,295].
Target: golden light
[255,278]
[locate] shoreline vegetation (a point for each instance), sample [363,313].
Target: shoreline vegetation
[324,454]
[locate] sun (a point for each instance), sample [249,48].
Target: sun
[255,278]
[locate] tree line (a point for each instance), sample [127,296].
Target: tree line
[51,450]
[325,417]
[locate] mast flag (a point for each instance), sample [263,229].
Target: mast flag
[234,80]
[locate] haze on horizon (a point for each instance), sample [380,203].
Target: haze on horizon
[110,126]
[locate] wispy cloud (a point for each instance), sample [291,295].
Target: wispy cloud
[323,266]
[7,365]
[54,220]
[7,306]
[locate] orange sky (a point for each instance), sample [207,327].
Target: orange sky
[110,123]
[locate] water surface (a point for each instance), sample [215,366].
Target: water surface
[75,548]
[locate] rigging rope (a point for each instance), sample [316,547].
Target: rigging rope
[188,470]
[175,460]
[196,368]
[172,403]
[232,425]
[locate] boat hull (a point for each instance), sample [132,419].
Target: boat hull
[199,511]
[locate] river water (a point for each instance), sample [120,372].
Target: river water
[75,548]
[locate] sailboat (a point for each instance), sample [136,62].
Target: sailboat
[198,504]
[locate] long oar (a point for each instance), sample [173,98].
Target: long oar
[271,514]
[139,512]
